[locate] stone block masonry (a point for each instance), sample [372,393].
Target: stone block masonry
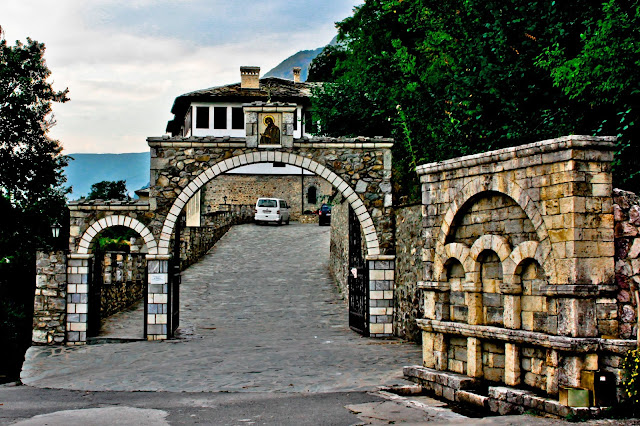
[381,288]
[49,317]
[246,189]
[409,243]
[158,297]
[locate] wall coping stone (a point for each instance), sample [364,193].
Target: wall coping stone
[111,205]
[618,346]
[550,290]
[522,151]
[561,343]
[228,142]
[158,257]
[381,257]
[80,256]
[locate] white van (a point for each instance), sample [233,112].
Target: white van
[271,210]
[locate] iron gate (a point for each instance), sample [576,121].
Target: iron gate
[173,297]
[358,279]
[95,294]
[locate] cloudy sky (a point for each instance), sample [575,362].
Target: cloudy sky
[125,61]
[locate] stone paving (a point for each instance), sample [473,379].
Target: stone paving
[260,313]
[127,324]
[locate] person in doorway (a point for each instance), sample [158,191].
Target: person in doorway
[271,134]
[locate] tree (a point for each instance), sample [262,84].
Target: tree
[459,77]
[109,190]
[31,196]
[599,71]
[322,66]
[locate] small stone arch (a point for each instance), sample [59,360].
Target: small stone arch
[85,246]
[370,234]
[523,251]
[512,190]
[458,251]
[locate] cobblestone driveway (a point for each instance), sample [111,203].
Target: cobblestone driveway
[259,313]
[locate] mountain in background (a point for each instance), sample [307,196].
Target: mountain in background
[86,169]
[301,59]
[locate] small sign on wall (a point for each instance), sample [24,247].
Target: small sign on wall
[157,278]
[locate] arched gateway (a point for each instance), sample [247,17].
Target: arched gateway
[358,168]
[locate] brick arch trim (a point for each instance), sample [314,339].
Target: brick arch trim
[514,191]
[370,234]
[84,247]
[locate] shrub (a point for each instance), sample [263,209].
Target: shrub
[631,381]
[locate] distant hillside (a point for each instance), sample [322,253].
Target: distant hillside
[301,59]
[86,169]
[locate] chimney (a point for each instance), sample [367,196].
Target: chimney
[296,74]
[250,77]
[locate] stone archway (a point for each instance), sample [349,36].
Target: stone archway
[349,194]
[78,272]
[359,168]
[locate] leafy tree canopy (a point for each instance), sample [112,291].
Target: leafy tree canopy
[31,197]
[459,77]
[109,190]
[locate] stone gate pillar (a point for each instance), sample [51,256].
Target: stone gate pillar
[77,297]
[157,297]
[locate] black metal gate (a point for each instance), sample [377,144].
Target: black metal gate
[173,299]
[358,279]
[95,281]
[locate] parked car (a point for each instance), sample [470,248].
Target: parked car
[324,215]
[271,210]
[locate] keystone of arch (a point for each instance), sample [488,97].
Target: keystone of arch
[368,228]
[516,193]
[84,247]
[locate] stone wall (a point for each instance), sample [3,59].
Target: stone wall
[339,247]
[623,308]
[246,189]
[123,281]
[49,313]
[409,243]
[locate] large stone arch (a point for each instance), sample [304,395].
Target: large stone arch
[85,245]
[368,228]
[514,191]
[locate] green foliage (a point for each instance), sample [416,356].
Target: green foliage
[109,190]
[631,381]
[116,238]
[31,197]
[322,66]
[455,78]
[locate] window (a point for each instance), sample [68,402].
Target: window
[267,203]
[237,118]
[295,119]
[202,117]
[219,117]
[312,195]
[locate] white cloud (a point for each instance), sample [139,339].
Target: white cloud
[126,61]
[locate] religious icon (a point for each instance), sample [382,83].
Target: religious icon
[271,134]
